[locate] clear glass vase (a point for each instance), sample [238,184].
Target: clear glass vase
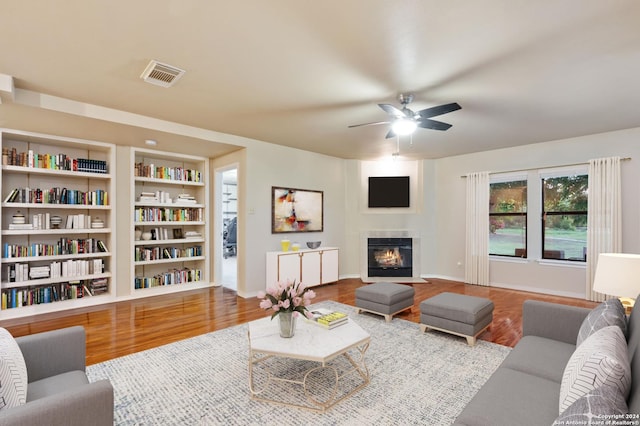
[287,324]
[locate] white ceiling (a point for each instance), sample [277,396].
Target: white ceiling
[297,72]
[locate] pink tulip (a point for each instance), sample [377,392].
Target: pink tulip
[293,293]
[266,304]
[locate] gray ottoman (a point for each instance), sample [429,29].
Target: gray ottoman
[459,314]
[384,298]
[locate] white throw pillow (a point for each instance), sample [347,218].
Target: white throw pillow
[601,360]
[598,405]
[13,372]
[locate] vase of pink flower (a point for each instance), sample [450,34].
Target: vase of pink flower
[286,300]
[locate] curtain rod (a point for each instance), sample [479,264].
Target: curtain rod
[545,167]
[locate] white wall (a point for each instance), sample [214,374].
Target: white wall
[273,165]
[419,217]
[449,198]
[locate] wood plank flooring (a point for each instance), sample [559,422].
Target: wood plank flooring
[121,328]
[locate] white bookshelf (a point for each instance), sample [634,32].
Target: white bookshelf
[175,257]
[33,187]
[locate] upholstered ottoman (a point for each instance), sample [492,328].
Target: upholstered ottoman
[384,298]
[459,314]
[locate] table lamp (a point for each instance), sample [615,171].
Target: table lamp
[618,274]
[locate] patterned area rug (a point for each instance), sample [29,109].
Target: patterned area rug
[415,379]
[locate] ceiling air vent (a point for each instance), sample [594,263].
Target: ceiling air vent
[161,74]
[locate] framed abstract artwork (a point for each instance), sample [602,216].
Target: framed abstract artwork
[296,210]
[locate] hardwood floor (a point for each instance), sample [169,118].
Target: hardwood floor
[126,327]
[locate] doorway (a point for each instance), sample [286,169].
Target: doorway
[228,232]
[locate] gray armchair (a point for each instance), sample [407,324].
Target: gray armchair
[59,393]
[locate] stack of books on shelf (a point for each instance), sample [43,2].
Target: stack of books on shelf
[155,197]
[327,318]
[192,234]
[168,173]
[185,199]
[58,195]
[148,197]
[51,161]
[20,226]
[98,286]
[90,166]
[39,272]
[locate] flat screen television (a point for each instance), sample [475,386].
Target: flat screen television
[388,191]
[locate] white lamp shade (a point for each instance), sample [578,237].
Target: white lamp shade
[618,274]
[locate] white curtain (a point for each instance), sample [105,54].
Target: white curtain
[604,216]
[477,229]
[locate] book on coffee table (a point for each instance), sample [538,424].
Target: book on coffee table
[327,318]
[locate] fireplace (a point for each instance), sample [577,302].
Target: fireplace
[389,257]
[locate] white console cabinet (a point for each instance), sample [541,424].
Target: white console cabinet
[312,267]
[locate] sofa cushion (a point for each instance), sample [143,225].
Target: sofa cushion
[601,360]
[609,312]
[512,397]
[541,357]
[13,372]
[600,402]
[54,384]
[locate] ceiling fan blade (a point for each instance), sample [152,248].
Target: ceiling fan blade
[391,110]
[426,123]
[375,123]
[390,134]
[439,110]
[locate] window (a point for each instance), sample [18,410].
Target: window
[564,217]
[508,218]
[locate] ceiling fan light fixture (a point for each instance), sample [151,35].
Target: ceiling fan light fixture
[404,126]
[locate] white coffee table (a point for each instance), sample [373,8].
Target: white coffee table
[310,343]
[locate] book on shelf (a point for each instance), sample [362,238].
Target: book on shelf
[12,196]
[148,196]
[20,226]
[185,199]
[327,318]
[101,246]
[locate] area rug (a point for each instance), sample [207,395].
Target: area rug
[416,378]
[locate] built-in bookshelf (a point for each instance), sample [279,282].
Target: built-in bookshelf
[169,229]
[56,235]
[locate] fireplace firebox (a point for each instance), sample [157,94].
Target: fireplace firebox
[389,257]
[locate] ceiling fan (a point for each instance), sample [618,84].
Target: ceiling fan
[405,121]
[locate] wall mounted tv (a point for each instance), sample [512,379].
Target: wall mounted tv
[388,191]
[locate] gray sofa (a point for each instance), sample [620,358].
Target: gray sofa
[58,392]
[525,389]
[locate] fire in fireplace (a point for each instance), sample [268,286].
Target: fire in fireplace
[389,257]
